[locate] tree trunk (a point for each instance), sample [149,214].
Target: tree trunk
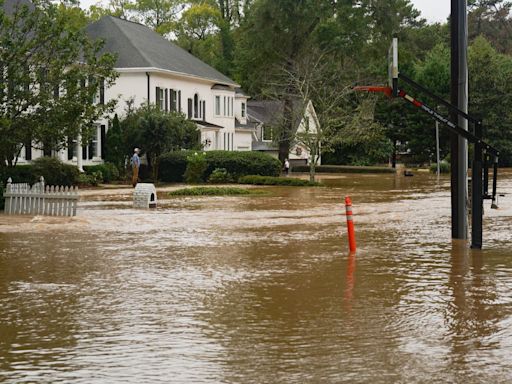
[393,156]
[312,168]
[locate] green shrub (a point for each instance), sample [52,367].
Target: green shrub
[54,171]
[343,169]
[173,164]
[243,163]
[219,176]
[196,167]
[213,191]
[269,180]
[90,179]
[444,167]
[18,174]
[108,170]
[2,200]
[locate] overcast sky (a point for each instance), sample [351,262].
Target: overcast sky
[432,10]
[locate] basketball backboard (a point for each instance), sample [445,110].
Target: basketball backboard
[393,66]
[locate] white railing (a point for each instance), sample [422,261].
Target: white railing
[21,199]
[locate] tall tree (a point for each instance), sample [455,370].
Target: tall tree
[50,75]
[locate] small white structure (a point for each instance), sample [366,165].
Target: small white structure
[144,196]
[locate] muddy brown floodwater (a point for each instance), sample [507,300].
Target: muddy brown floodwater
[259,289]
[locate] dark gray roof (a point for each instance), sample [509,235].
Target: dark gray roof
[271,112]
[240,92]
[206,124]
[249,126]
[221,87]
[137,46]
[9,6]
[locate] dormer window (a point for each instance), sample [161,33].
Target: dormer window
[243,109]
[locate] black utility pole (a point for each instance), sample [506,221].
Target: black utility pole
[459,98]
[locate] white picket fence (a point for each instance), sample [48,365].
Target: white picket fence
[21,199]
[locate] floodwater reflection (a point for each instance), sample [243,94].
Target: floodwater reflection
[259,289]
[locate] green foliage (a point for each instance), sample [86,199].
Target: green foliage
[269,180]
[174,164]
[444,167]
[243,163]
[18,174]
[214,191]
[156,132]
[2,199]
[196,167]
[54,171]
[114,146]
[92,179]
[41,49]
[344,169]
[108,171]
[219,176]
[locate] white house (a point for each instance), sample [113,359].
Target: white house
[269,113]
[154,70]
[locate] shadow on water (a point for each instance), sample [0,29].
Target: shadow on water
[259,289]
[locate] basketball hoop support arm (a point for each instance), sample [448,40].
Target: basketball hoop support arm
[482,149]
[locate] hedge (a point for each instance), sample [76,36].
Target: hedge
[270,180]
[174,164]
[53,170]
[343,169]
[108,170]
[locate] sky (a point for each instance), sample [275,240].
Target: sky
[432,10]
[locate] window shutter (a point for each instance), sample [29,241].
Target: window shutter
[204,110]
[84,152]
[28,150]
[166,100]
[70,148]
[91,150]
[102,91]
[179,101]
[103,140]
[189,108]
[157,96]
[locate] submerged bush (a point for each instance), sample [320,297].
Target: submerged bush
[108,171]
[54,171]
[196,167]
[173,164]
[268,180]
[444,167]
[220,175]
[213,191]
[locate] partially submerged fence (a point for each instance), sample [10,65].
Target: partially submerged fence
[21,199]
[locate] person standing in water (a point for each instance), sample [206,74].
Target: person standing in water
[135,162]
[286,166]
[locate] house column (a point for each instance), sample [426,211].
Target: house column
[79,160]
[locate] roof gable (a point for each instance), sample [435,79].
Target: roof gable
[137,46]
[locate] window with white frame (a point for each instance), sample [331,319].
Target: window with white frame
[217,105]
[243,109]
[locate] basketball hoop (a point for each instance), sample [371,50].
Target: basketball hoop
[388,91]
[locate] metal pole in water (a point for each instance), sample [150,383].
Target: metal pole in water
[350,224]
[437,149]
[459,98]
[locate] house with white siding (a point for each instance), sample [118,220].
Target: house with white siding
[154,70]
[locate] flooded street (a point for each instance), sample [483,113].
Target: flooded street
[259,289]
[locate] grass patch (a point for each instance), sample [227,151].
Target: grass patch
[269,180]
[214,191]
[343,169]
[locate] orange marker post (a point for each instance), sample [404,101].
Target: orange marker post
[350,225]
